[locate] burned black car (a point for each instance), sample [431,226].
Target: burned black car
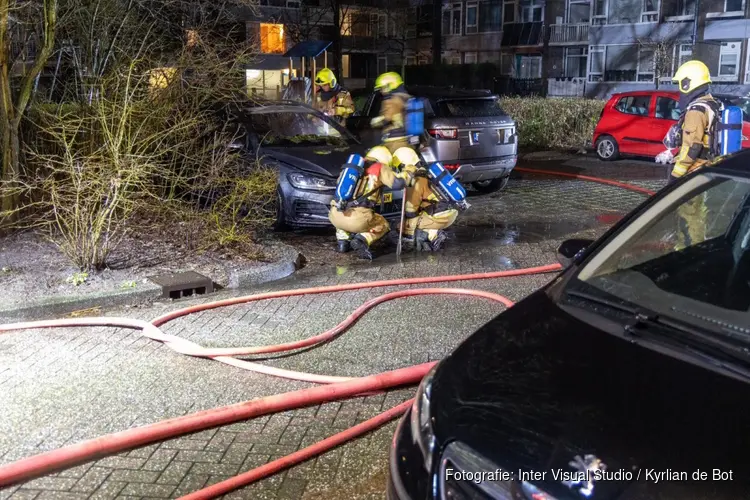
[627,376]
[308,149]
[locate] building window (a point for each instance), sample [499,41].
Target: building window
[575,62]
[490,16]
[470,57]
[599,15]
[422,60]
[506,64]
[597,56]
[729,61]
[682,54]
[272,38]
[645,65]
[529,67]
[649,11]
[452,20]
[509,11]
[684,8]
[345,66]
[382,64]
[472,21]
[411,60]
[532,12]
[292,4]
[734,5]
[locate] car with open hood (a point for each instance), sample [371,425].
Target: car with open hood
[626,377]
[308,149]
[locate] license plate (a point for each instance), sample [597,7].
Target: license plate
[387,197]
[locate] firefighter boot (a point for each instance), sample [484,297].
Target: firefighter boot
[343,246]
[436,242]
[422,241]
[359,244]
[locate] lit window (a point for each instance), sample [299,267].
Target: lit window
[160,78]
[272,38]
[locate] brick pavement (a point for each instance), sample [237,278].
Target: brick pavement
[61,386]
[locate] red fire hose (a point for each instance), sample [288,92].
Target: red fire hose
[335,388]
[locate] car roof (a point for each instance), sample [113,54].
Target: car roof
[672,93]
[738,163]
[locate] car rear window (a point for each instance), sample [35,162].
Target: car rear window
[463,108]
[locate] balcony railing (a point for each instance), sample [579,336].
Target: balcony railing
[569,33]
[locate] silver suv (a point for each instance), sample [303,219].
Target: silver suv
[466,130]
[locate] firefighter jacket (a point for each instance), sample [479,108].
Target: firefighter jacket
[697,128]
[375,177]
[393,115]
[337,103]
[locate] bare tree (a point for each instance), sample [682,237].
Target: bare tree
[662,46]
[405,17]
[36,22]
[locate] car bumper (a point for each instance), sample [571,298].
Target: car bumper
[303,208]
[485,170]
[407,478]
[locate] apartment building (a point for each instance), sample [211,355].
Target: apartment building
[576,47]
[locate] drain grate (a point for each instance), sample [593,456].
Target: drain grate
[179,285]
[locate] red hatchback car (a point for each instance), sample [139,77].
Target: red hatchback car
[635,123]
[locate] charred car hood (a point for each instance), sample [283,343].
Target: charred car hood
[535,387]
[323,160]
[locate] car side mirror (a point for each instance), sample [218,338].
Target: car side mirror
[569,249]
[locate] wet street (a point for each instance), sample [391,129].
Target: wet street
[61,386]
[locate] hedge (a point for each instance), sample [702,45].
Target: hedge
[553,123]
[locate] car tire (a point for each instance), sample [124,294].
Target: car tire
[280,224]
[492,185]
[607,148]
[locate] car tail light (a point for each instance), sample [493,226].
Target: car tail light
[443,133]
[452,166]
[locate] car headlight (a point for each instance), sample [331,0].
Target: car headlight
[533,493]
[421,420]
[303,181]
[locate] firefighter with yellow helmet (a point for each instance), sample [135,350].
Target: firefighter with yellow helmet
[332,99]
[357,224]
[392,111]
[693,136]
[427,215]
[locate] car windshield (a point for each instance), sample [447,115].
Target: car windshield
[465,108]
[295,129]
[686,257]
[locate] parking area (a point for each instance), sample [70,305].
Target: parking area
[61,386]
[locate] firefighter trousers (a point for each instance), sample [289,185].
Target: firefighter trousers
[691,222]
[431,224]
[360,221]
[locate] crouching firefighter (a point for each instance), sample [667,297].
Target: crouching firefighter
[705,132]
[358,191]
[432,202]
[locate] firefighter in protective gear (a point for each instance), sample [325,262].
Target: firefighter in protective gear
[358,226]
[700,114]
[427,215]
[332,99]
[392,111]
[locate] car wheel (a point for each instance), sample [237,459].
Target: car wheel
[491,185]
[280,224]
[606,148]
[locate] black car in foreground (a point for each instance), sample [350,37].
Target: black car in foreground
[308,149]
[627,376]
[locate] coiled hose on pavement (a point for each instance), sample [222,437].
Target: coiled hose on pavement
[331,388]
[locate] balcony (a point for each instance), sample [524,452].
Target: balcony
[569,34]
[523,34]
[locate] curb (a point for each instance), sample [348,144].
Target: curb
[289,261]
